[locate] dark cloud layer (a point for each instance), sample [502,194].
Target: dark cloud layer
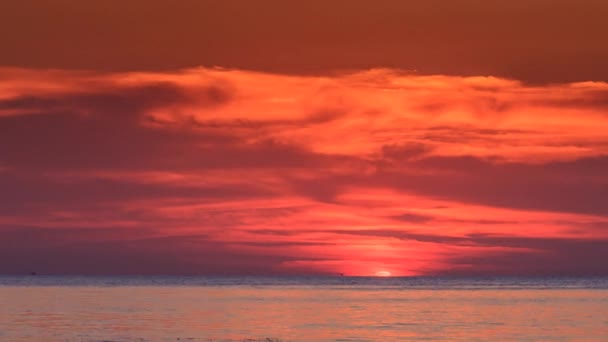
[117,251]
[574,186]
[550,257]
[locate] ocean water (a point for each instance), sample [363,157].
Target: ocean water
[51,308]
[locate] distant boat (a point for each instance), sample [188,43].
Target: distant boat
[33,273]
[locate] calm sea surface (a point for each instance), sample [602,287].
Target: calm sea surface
[45,308]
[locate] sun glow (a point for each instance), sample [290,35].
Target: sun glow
[383,274]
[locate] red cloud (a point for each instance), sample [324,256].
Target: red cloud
[225,171]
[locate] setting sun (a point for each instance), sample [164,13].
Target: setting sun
[383,274]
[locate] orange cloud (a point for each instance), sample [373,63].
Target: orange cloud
[231,171]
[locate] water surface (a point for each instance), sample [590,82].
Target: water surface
[45,308]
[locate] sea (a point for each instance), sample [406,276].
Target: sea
[142,308]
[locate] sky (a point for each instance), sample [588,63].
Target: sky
[316,138]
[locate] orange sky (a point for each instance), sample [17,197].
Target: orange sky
[214,141]
[533,40]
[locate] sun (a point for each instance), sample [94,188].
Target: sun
[383,274]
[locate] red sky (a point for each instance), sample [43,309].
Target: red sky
[256,137]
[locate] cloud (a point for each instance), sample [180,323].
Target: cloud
[262,172]
[572,186]
[555,257]
[113,251]
[109,102]
[410,217]
[591,98]
[484,254]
